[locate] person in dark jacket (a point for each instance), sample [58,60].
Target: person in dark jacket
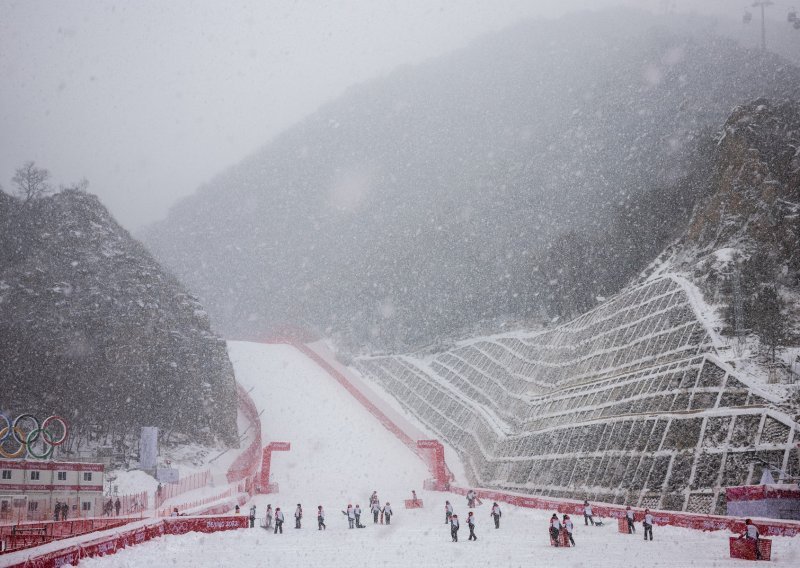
[298,514]
[454,528]
[278,520]
[496,514]
[117,506]
[321,519]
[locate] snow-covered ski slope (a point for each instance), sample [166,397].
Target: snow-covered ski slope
[631,403]
[340,454]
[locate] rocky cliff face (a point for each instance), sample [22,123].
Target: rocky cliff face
[756,192]
[93,329]
[742,243]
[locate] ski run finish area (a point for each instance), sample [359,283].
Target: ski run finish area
[340,454]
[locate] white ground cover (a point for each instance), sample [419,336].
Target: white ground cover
[340,454]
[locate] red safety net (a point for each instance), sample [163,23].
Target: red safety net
[188,483]
[26,535]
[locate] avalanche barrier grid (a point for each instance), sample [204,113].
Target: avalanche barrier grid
[767,527]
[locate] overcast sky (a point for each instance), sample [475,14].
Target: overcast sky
[149,99]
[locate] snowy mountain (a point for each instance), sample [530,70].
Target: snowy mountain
[93,329]
[446,193]
[663,394]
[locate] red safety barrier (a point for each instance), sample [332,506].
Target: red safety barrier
[767,527]
[110,544]
[182,525]
[27,535]
[745,548]
[622,525]
[759,492]
[413,503]
[198,502]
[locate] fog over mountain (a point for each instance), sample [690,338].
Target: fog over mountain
[423,202]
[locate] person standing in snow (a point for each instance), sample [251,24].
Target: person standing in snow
[64,511]
[630,517]
[647,524]
[374,498]
[252,516]
[587,513]
[568,528]
[448,512]
[298,514]
[278,520]
[471,525]
[496,514]
[555,528]
[454,528]
[351,518]
[357,513]
[750,533]
[320,519]
[470,499]
[387,513]
[375,507]
[268,518]
[117,506]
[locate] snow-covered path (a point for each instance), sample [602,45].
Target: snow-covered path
[340,454]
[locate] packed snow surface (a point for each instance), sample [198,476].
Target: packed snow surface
[340,454]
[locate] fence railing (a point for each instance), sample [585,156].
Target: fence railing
[188,483]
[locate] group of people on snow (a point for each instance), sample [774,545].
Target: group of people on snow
[647,522]
[452,519]
[273,520]
[561,530]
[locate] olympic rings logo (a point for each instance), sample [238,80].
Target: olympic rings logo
[34,438]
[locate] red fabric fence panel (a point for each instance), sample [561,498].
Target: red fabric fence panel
[111,543]
[182,525]
[745,548]
[766,527]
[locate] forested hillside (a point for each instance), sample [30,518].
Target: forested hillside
[93,329]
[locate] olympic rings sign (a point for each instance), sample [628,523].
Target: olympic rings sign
[34,438]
